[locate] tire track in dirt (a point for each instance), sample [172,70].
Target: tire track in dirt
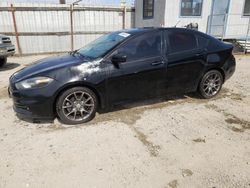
[231,119]
[129,114]
[4,92]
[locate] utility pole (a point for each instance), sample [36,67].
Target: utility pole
[62,1]
[123,6]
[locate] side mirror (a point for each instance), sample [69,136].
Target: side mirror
[118,58]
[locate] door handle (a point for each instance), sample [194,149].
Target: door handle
[199,54]
[157,63]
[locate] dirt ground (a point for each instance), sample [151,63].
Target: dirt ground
[177,142]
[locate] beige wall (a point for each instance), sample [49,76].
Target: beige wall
[237,24]
[172,15]
[159,13]
[167,12]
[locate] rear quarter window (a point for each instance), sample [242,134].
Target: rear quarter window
[202,41]
[182,41]
[215,45]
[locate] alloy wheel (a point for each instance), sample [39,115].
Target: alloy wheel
[78,106]
[212,84]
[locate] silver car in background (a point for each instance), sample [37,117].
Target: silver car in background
[6,49]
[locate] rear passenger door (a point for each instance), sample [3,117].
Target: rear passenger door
[186,61]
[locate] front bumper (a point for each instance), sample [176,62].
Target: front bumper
[31,108]
[7,50]
[35,105]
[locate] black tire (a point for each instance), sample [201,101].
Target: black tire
[76,102]
[3,61]
[210,84]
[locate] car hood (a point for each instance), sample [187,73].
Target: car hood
[1,36]
[47,64]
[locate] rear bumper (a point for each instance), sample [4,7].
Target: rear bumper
[229,67]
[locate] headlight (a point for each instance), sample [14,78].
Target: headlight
[32,83]
[3,50]
[1,42]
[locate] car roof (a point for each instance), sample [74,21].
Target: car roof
[145,29]
[134,31]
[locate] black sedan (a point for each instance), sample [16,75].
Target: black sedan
[121,67]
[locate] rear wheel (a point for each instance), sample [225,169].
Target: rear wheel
[76,105]
[211,84]
[3,61]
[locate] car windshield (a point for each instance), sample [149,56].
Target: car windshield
[99,47]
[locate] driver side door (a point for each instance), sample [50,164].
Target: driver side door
[143,75]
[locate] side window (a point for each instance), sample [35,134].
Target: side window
[202,41]
[191,7]
[181,41]
[146,45]
[148,9]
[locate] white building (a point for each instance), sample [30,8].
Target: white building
[221,18]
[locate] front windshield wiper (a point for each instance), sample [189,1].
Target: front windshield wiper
[72,52]
[76,52]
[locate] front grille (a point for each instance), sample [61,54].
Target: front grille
[6,40]
[11,50]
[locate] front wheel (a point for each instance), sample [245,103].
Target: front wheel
[76,105]
[3,61]
[210,84]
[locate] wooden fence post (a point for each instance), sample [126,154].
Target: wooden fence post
[15,29]
[124,17]
[71,27]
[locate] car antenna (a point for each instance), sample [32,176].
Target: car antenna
[177,23]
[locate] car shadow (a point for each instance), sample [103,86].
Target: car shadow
[151,101]
[129,113]
[40,121]
[9,66]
